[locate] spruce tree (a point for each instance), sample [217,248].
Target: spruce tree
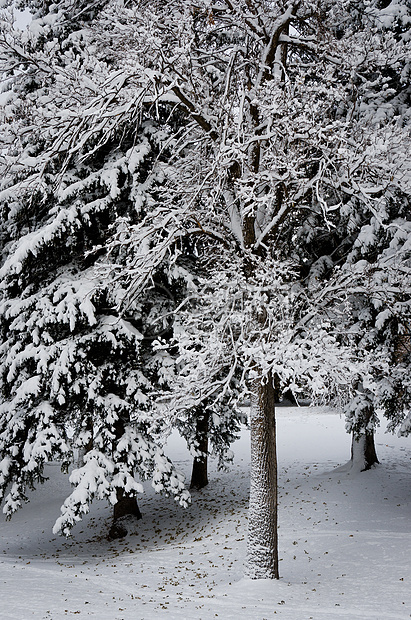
[77,375]
[367,236]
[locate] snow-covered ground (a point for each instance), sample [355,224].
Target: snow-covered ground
[345,542]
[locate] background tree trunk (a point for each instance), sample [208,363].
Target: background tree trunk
[126,506]
[262,546]
[199,475]
[363,452]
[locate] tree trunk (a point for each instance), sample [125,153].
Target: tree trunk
[125,506]
[363,453]
[262,546]
[199,476]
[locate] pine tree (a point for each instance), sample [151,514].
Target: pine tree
[368,234]
[76,375]
[383,97]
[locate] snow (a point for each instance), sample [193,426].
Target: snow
[345,541]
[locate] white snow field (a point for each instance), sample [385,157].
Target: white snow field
[345,542]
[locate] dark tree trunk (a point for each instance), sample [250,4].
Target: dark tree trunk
[125,506]
[363,452]
[262,546]
[288,395]
[199,476]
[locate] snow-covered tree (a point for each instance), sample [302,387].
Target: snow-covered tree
[263,159]
[382,97]
[76,376]
[369,232]
[270,156]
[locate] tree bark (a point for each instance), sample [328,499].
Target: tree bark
[125,506]
[199,475]
[363,452]
[262,545]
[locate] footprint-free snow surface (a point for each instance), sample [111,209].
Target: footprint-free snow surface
[345,541]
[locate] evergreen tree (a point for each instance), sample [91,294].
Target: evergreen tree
[76,375]
[368,234]
[382,96]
